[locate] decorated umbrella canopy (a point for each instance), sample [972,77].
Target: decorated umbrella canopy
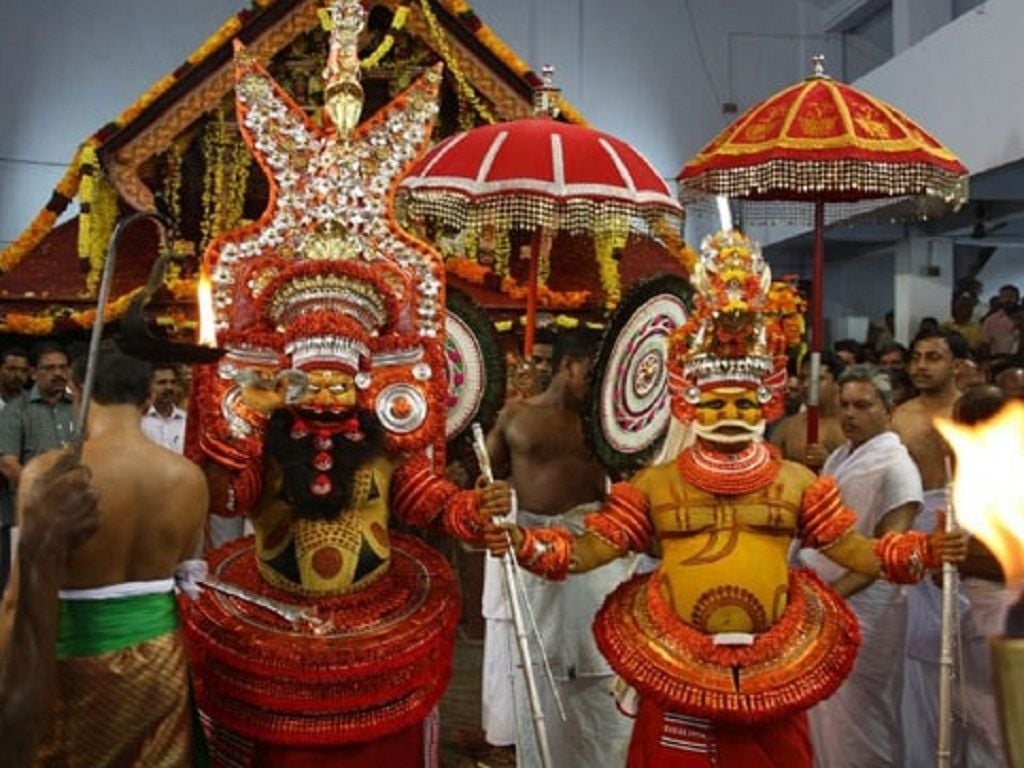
[821,141]
[541,175]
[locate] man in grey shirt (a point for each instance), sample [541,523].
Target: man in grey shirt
[14,373]
[41,420]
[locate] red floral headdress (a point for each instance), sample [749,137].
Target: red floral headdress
[740,330]
[325,277]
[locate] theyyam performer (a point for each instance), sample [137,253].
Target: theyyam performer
[327,637]
[726,645]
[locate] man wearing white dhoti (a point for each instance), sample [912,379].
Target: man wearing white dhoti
[538,444]
[859,726]
[975,740]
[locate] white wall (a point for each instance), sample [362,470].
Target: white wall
[964,82]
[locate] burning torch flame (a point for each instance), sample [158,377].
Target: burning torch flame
[986,487]
[207,330]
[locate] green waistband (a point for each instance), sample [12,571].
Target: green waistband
[93,627]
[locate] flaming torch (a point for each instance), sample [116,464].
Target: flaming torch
[207,325]
[989,503]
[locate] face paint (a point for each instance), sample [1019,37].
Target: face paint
[729,415]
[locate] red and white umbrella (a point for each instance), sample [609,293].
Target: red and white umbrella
[538,174]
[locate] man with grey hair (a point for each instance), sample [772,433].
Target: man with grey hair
[860,724]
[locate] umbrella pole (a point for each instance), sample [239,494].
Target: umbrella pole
[817,320]
[531,294]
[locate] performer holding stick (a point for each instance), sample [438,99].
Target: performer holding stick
[538,444]
[725,644]
[513,592]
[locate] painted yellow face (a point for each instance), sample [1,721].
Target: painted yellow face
[328,390]
[729,407]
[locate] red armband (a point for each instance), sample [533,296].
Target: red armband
[624,523]
[462,519]
[905,558]
[546,552]
[824,517]
[418,495]
[421,498]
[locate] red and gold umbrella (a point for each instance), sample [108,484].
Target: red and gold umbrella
[821,141]
[538,174]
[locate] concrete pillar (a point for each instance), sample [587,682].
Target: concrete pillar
[915,19]
[924,283]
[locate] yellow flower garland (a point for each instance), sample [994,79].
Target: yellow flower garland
[465,90]
[382,50]
[97,216]
[606,243]
[45,323]
[63,193]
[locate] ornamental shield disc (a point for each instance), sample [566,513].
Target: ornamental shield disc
[474,366]
[629,412]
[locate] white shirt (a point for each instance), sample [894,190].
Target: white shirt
[168,432]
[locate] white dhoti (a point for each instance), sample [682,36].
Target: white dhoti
[859,725]
[594,732]
[497,708]
[976,742]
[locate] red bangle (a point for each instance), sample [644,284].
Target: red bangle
[824,517]
[545,552]
[904,558]
[462,518]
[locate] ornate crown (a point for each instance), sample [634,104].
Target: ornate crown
[329,311]
[740,329]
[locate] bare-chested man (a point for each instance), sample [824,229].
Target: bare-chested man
[59,515]
[934,363]
[538,444]
[790,434]
[122,688]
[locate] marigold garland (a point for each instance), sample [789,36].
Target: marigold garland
[607,243]
[50,320]
[63,193]
[97,217]
[477,274]
[68,186]
[462,85]
[382,50]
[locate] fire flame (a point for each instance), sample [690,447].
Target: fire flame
[987,496]
[207,324]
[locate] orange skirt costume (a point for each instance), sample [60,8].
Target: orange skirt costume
[355,693]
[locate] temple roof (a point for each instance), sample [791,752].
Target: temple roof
[177,151]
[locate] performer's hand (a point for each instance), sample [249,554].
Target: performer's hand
[495,499]
[948,547]
[497,535]
[815,455]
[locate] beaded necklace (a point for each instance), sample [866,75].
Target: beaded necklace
[729,474]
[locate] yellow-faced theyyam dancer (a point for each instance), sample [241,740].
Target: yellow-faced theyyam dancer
[725,644]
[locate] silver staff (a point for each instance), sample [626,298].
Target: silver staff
[509,567]
[106,280]
[947,667]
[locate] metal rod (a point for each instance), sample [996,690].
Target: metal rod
[947,667]
[106,280]
[508,568]
[817,319]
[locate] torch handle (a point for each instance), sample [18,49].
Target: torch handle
[947,669]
